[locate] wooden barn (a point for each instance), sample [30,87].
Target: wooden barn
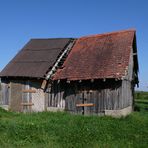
[23,76]
[92,75]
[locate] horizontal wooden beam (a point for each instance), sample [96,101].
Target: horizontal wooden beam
[29,91]
[134,54]
[85,105]
[27,104]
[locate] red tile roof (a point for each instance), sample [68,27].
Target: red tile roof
[98,56]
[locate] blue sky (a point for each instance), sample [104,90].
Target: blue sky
[21,20]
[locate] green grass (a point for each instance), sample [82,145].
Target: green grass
[141,95]
[57,130]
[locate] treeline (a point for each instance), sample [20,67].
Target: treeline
[141,95]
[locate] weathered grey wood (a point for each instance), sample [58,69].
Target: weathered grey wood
[108,95]
[5,94]
[16,95]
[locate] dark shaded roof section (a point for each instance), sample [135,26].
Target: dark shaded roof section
[98,56]
[36,58]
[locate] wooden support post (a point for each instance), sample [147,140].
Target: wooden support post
[92,80]
[44,83]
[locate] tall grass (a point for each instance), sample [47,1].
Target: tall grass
[57,130]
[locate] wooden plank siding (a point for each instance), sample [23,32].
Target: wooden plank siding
[16,95]
[5,93]
[23,95]
[108,95]
[111,94]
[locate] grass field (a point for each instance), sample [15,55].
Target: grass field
[55,130]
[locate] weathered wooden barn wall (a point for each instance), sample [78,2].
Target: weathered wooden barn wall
[128,83]
[55,97]
[16,95]
[23,95]
[101,95]
[127,94]
[4,94]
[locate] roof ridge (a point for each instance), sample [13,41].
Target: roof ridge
[49,38]
[109,33]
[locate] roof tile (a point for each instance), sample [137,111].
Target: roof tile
[98,56]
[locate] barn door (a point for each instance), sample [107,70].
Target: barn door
[86,103]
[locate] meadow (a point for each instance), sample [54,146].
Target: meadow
[63,130]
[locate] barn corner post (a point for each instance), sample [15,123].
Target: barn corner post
[46,88]
[135,68]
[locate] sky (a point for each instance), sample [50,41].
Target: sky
[21,20]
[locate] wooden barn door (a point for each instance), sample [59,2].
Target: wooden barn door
[86,103]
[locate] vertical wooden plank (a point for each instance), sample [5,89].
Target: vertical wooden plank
[16,96]
[62,100]
[85,101]
[99,99]
[52,96]
[95,102]
[59,95]
[5,94]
